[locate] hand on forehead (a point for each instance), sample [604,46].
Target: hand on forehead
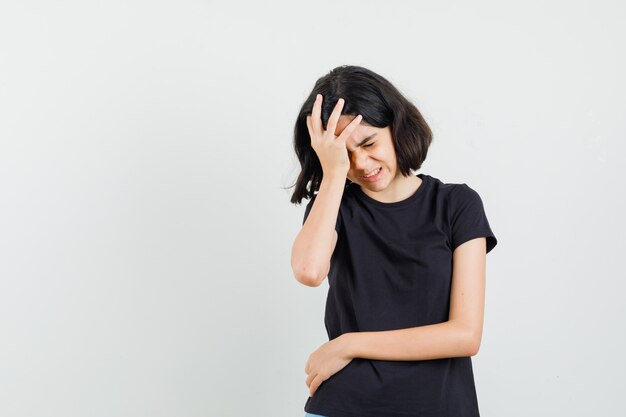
[360,130]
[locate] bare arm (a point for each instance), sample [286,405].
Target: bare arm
[315,243]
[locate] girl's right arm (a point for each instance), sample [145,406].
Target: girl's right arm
[315,243]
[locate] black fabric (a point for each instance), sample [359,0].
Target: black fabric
[392,269]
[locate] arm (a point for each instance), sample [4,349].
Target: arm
[315,243]
[457,337]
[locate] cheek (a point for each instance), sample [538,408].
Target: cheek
[384,155]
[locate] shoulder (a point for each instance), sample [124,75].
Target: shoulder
[463,198]
[449,191]
[463,192]
[451,188]
[455,196]
[467,218]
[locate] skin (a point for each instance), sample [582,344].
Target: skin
[340,153]
[376,152]
[459,336]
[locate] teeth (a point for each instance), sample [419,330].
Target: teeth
[372,174]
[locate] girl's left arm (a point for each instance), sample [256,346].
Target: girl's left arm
[459,336]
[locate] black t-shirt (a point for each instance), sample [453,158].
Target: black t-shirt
[392,269]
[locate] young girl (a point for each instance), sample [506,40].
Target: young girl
[405,257]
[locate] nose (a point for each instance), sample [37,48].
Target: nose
[359,160]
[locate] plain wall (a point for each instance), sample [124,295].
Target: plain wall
[145,223]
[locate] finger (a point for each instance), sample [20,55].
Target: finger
[309,379]
[351,126]
[314,385]
[316,119]
[334,117]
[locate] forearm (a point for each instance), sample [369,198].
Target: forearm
[312,248]
[434,341]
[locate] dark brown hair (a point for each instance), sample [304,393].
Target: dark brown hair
[381,105]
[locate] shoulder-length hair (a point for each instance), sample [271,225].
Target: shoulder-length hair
[380,104]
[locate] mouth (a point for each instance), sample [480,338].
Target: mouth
[373,176]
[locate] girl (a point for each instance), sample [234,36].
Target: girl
[405,256]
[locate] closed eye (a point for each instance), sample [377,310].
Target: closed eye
[368,145]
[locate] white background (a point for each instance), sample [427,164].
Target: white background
[145,223]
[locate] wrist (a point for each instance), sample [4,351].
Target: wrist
[349,341]
[334,177]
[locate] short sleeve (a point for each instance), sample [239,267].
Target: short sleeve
[307,210]
[467,218]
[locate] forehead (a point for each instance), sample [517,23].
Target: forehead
[359,133]
[345,119]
